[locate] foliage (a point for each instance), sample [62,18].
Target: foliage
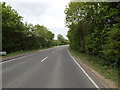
[19,36]
[0,26]
[94,29]
[55,42]
[61,40]
[12,28]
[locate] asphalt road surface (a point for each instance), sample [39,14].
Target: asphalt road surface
[52,68]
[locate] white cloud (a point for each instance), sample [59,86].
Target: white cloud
[49,13]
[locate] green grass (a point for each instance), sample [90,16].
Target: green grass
[18,52]
[98,65]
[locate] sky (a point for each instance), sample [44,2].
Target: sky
[49,13]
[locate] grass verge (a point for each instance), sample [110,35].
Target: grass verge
[98,65]
[18,52]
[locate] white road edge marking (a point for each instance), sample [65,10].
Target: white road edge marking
[84,71]
[44,59]
[17,58]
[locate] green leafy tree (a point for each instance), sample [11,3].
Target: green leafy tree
[61,40]
[91,26]
[12,29]
[22,36]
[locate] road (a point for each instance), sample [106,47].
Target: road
[52,68]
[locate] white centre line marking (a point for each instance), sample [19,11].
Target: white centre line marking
[53,52]
[44,59]
[84,72]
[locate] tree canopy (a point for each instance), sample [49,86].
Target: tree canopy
[17,35]
[94,28]
[61,40]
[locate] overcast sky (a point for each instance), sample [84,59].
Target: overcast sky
[49,13]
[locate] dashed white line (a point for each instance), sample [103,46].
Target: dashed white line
[44,59]
[84,72]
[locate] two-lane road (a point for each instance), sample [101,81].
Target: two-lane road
[53,68]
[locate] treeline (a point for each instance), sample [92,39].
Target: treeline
[17,35]
[60,40]
[94,28]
